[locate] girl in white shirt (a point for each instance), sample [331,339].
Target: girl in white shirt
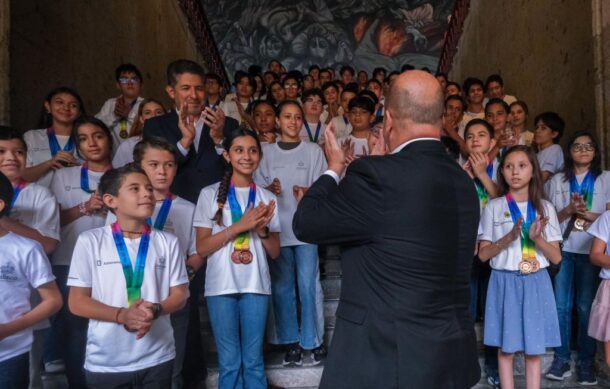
[579,193]
[81,210]
[148,108]
[51,148]
[237,227]
[520,234]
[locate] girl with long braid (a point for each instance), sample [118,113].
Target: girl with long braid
[237,228]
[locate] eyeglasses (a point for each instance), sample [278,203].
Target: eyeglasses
[291,86]
[582,147]
[127,80]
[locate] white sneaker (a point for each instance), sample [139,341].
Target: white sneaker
[55,367]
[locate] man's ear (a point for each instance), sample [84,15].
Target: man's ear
[171,92]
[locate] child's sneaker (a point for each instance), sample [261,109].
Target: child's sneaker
[318,354]
[559,370]
[586,375]
[294,357]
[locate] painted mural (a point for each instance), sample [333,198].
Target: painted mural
[364,34]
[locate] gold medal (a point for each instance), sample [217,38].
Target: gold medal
[525,267]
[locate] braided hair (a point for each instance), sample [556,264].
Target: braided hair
[223,189]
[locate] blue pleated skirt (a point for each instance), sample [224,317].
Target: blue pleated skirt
[520,313]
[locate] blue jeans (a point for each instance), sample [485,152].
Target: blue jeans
[14,372]
[301,260]
[67,337]
[238,325]
[180,321]
[578,278]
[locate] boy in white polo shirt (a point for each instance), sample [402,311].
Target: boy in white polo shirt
[127,278]
[23,265]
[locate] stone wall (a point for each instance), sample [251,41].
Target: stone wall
[79,43]
[542,48]
[5,24]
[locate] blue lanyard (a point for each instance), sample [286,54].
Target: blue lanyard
[133,279]
[54,144]
[311,138]
[163,213]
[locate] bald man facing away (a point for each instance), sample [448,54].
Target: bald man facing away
[407,222]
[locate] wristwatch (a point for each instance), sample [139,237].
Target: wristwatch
[266,234]
[157,308]
[190,272]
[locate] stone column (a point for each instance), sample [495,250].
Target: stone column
[601,61]
[5,18]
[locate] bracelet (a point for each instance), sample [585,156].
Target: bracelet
[82,209]
[116,317]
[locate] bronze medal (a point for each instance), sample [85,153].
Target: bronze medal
[245,256]
[525,267]
[236,257]
[535,266]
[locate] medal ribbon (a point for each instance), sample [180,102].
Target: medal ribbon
[528,247]
[481,191]
[345,120]
[16,190]
[242,241]
[163,212]
[54,144]
[124,122]
[133,279]
[312,138]
[585,189]
[84,177]
[379,113]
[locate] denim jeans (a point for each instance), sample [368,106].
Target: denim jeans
[67,337]
[301,260]
[577,278]
[238,325]
[180,321]
[14,372]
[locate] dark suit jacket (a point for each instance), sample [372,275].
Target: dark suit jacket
[199,168]
[408,226]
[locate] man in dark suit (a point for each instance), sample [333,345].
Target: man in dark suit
[197,132]
[407,222]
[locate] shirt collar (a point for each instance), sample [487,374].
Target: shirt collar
[402,146]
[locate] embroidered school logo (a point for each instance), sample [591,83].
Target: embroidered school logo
[68,188]
[506,215]
[301,166]
[98,262]
[160,262]
[8,272]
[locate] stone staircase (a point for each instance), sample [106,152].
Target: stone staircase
[308,376]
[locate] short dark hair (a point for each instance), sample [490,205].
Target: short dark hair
[347,68]
[312,67]
[111,181]
[369,95]
[497,101]
[127,68]
[494,78]
[240,75]
[94,121]
[441,74]
[275,76]
[376,71]
[330,84]
[453,83]
[351,87]
[213,76]
[312,92]
[9,133]
[406,67]
[180,67]
[152,142]
[456,98]
[292,76]
[553,121]
[373,81]
[363,102]
[481,122]
[6,194]
[470,82]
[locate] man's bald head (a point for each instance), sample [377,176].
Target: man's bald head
[416,96]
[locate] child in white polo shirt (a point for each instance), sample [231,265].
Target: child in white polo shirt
[126,279]
[23,265]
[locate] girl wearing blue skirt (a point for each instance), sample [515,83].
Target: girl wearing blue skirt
[520,234]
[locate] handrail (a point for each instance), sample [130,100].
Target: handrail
[198,24]
[453,34]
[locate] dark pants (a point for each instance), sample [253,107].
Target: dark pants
[67,336]
[156,377]
[491,353]
[15,372]
[194,369]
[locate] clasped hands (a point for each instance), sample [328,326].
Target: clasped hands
[137,318]
[214,118]
[256,218]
